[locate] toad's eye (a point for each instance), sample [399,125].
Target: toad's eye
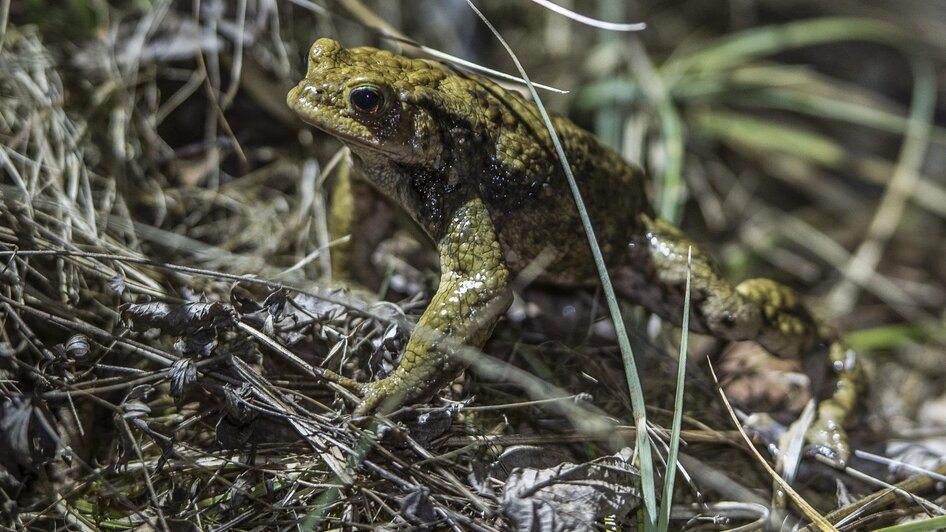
[367,99]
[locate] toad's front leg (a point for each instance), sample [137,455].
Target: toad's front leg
[472,296]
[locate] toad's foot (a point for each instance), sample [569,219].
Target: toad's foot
[381,397]
[828,439]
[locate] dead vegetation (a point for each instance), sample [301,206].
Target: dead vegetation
[166,305]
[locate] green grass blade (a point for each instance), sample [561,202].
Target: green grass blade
[648,489]
[670,193]
[759,137]
[864,261]
[767,40]
[783,87]
[933,523]
[663,522]
[885,337]
[670,201]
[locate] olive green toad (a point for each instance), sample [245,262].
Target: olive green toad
[474,166]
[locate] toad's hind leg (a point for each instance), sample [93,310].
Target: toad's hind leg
[359,219]
[761,310]
[789,329]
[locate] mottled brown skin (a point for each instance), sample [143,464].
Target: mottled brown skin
[474,165]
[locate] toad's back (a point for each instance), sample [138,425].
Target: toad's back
[526,190]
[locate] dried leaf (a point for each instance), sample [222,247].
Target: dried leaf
[183,375]
[143,316]
[134,405]
[25,437]
[200,343]
[276,302]
[178,320]
[527,457]
[117,284]
[570,496]
[430,425]
[237,405]
[239,491]
[77,346]
[232,435]
[417,509]
[194,323]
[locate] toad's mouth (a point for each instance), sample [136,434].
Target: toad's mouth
[304,100]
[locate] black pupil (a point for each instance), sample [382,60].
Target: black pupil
[366,99]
